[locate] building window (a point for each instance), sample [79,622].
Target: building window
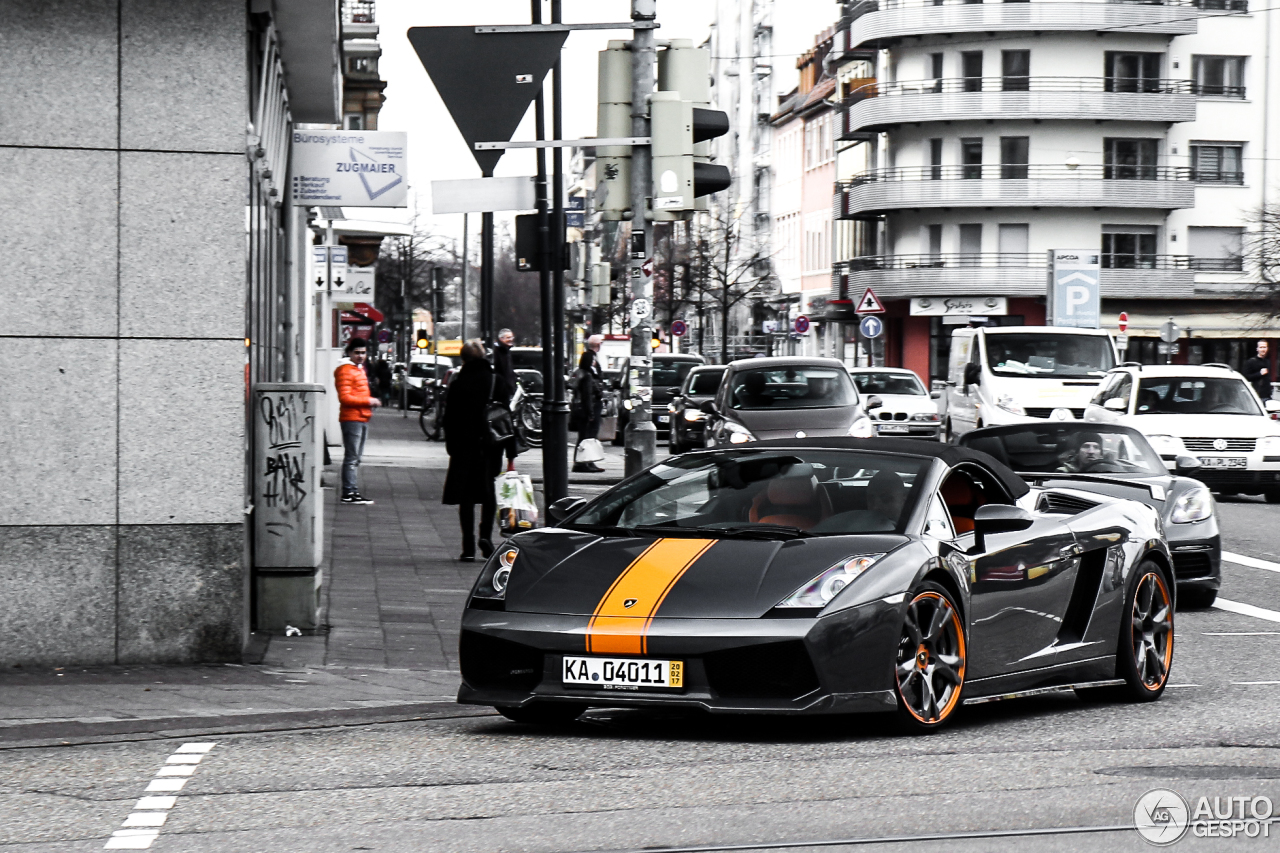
[363,65]
[809,154]
[1217,162]
[1130,159]
[970,158]
[1013,241]
[1015,70]
[935,68]
[971,70]
[1014,151]
[935,159]
[1133,72]
[1218,75]
[1128,247]
[354,121]
[933,236]
[971,244]
[1216,248]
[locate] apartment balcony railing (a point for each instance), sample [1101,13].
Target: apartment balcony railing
[358,11]
[1013,185]
[1212,90]
[1003,274]
[874,105]
[1216,176]
[869,24]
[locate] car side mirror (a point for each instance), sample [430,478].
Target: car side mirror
[1116,404]
[1271,405]
[874,402]
[1186,465]
[935,395]
[998,518]
[973,374]
[708,407]
[563,508]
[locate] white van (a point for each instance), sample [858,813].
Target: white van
[1013,374]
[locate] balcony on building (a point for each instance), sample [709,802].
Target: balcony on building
[874,106]
[1014,185]
[872,24]
[1004,274]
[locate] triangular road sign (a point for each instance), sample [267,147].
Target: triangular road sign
[870,303]
[487,80]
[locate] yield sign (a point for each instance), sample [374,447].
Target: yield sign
[487,80]
[870,303]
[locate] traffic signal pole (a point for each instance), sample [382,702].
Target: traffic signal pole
[555,417]
[641,436]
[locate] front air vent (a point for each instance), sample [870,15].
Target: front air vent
[1063,503]
[772,670]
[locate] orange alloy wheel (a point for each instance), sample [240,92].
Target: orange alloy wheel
[931,658]
[1151,631]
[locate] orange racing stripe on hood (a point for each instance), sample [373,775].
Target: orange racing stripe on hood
[616,628]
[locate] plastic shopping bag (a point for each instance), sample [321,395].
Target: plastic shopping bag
[517,508]
[589,450]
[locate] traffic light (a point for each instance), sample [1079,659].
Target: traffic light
[680,128]
[613,119]
[423,341]
[527,244]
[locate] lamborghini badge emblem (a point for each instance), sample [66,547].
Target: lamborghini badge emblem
[630,602]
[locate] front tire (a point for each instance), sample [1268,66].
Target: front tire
[543,713]
[1144,654]
[930,664]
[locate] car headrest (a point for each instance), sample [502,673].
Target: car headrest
[956,492]
[791,491]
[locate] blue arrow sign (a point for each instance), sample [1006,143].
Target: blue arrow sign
[871,326]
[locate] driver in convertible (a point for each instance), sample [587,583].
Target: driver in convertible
[1086,456]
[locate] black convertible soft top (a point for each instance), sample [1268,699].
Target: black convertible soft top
[949,454]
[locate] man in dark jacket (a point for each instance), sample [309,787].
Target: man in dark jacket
[1257,371]
[474,464]
[590,399]
[505,380]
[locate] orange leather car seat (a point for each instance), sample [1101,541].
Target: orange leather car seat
[959,498]
[794,501]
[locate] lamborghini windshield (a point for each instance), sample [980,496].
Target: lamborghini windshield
[765,493]
[1069,448]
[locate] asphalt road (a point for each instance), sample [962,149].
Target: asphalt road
[625,781]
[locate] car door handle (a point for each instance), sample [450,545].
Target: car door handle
[1071,550]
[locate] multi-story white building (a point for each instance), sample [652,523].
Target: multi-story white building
[992,133]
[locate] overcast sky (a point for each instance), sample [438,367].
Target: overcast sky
[436,150]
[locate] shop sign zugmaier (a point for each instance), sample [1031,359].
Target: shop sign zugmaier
[350,168]
[959,306]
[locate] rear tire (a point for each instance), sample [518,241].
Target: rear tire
[543,713]
[930,664]
[1144,653]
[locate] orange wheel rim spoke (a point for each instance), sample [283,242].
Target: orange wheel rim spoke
[931,658]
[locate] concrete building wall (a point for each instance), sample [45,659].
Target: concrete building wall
[122,415]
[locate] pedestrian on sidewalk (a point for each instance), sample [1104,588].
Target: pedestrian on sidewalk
[474,463]
[382,373]
[505,380]
[356,407]
[590,399]
[1257,370]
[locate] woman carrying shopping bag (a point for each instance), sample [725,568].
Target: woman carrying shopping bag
[474,460]
[590,401]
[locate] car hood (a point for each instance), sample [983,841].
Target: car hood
[785,423]
[909,403]
[569,572]
[1204,426]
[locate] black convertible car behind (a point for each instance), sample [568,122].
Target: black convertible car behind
[822,576]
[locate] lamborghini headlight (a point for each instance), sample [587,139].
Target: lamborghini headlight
[496,575]
[738,434]
[1195,504]
[819,591]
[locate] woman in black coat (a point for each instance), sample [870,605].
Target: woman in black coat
[474,464]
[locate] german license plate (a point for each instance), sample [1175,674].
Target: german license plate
[893,428]
[623,673]
[1223,462]
[662,419]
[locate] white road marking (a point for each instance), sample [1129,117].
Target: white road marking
[1241,633]
[1183,685]
[152,812]
[1251,562]
[1254,682]
[1247,610]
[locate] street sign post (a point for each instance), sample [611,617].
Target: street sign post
[871,326]
[869,303]
[1074,296]
[1170,331]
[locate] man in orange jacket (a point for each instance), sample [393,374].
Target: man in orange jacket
[357,406]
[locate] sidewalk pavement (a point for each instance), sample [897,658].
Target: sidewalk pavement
[393,600]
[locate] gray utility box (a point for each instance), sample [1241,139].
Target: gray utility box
[288,507]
